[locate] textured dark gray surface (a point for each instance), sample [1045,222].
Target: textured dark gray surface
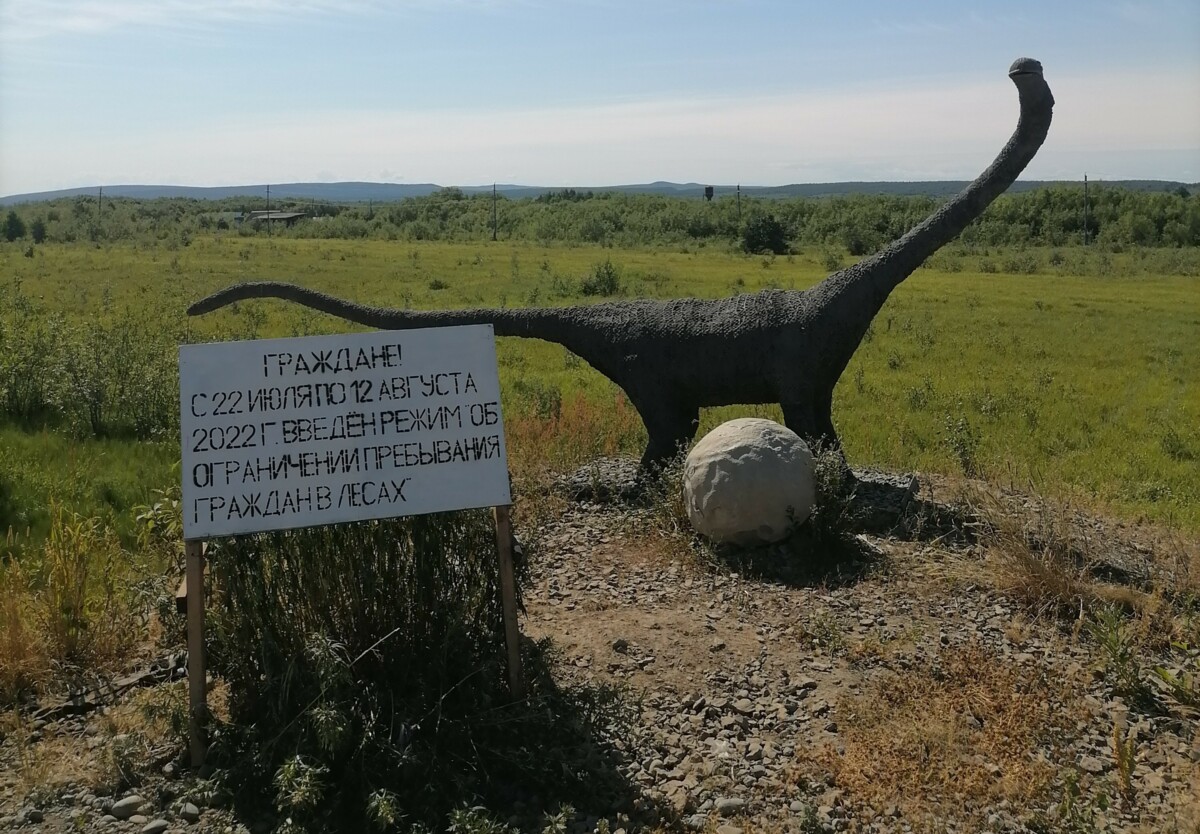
[674,357]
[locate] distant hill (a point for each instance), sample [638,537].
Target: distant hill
[338,192]
[382,192]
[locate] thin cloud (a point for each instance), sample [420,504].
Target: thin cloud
[1145,12]
[933,133]
[37,19]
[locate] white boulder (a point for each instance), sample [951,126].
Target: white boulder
[749,482]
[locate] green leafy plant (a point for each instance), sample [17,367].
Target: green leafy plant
[604,280]
[1182,685]
[1121,654]
[961,438]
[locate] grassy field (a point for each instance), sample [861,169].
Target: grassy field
[1081,386]
[1071,374]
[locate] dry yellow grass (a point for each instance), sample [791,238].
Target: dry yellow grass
[24,654]
[71,610]
[50,763]
[567,432]
[1065,559]
[950,739]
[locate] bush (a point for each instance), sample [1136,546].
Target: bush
[118,378]
[30,349]
[366,677]
[962,440]
[14,227]
[113,375]
[605,280]
[857,242]
[762,234]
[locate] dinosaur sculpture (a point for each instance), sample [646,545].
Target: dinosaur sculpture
[673,357]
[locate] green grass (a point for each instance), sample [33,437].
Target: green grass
[1077,383]
[102,478]
[1080,384]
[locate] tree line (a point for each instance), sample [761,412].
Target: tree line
[1112,218]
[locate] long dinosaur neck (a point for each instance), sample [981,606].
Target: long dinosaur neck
[910,251]
[855,295]
[540,323]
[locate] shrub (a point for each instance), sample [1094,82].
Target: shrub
[30,345]
[366,679]
[858,243]
[605,280]
[14,227]
[963,442]
[1021,263]
[831,259]
[762,234]
[833,519]
[113,375]
[119,378]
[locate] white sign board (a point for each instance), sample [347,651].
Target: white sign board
[283,433]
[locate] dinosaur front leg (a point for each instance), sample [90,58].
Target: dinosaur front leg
[671,426]
[812,419]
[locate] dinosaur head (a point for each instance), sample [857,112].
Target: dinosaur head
[1026,73]
[1024,66]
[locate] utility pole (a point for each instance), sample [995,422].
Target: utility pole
[493,211]
[268,209]
[100,206]
[1086,230]
[739,202]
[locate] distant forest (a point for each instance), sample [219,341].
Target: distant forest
[1051,216]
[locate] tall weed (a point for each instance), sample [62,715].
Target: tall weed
[24,654]
[78,604]
[87,610]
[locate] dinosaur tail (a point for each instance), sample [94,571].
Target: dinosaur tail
[540,323]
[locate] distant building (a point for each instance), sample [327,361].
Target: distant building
[286,217]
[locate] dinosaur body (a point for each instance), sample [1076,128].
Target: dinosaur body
[674,357]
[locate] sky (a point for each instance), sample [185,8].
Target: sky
[585,92]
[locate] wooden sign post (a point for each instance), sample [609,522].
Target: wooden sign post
[286,433]
[508,600]
[197,681]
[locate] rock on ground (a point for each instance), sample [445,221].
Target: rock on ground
[749,481]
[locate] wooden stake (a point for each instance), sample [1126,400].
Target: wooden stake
[197,687]
[508,600]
